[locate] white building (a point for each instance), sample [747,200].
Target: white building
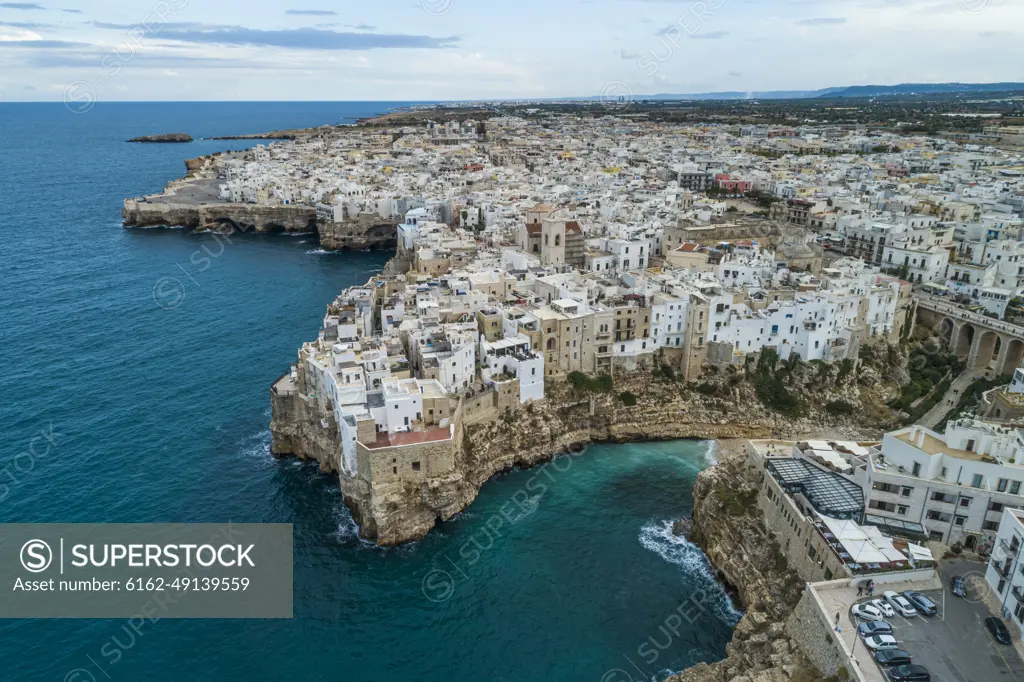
[955,485]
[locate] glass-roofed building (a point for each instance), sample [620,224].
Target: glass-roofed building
[817,513]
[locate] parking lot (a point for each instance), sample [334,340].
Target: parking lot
[955,645]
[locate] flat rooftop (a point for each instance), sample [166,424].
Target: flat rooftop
[934,446]
[388,440]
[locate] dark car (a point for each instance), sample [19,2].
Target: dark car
[893,657]
[910,673]
[998,629]
[958,585]
[921,603]
[874,627]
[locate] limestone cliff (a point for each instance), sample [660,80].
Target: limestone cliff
[728,527]
[567,418]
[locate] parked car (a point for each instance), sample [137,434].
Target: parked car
[866,611]
[893,657]
[909,673]
[998,629]
[874,627]
[920,602]
[878,642]
[958,585]
[883,607]
[900,604]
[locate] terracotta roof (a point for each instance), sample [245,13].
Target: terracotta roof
[533,228]
[385,440]
[573,227]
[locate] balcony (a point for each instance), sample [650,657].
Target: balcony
[1008,548]
[1002,568]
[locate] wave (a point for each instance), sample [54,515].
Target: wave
[346,529]
[711,454]
[321,252]
[657,536]
[256,446]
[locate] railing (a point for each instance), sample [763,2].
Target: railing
[1010,549]
[968,316]
[1001,567]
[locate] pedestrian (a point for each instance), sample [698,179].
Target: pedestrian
[860,590]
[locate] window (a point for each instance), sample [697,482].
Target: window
[990,525]
[970,445]
[902,509]
[811,552]
[965,501]
[1015,487]
[415,466]
[960,520]
[917,469]
[976,481]
[1001,485]
[906,491]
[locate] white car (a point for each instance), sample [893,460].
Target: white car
[881,642]
[866,611]
[900,603]
[883,607]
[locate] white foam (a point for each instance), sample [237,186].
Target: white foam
[657,536]
[321,252]
[347,530]
[256,446]
[711,454]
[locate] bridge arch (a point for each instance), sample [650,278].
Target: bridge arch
[1012,357]
[964,340]
[985,351]
[946,329]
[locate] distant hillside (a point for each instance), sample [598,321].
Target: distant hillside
[920,89]
[847,91]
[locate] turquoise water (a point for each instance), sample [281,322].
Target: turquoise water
[161,415]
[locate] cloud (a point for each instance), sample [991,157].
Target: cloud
[175,25]
[41,44]
[822,21]
[735,74]
[304,38]
[72,11]
[361,27]
[312,12]
[26,24]
[628,54]
[714,35]
[20,5]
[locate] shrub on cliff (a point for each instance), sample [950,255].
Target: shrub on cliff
[840,408]
[581,382]
[774,395]
[628,399]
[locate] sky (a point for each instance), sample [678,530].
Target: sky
[419,50]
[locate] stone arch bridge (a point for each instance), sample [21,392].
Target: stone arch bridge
[986,344]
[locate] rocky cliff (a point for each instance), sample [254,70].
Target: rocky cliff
[728,527]
[567,419]
[215,217]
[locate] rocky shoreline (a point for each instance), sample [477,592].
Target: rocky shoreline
[728,528]
[190,203]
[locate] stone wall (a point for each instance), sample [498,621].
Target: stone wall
[810,629]
[806,550]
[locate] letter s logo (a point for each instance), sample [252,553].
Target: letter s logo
[36,556]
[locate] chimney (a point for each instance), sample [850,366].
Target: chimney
[920,439]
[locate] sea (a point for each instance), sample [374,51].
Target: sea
[155,412]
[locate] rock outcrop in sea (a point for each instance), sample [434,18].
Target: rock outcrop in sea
[165,138]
